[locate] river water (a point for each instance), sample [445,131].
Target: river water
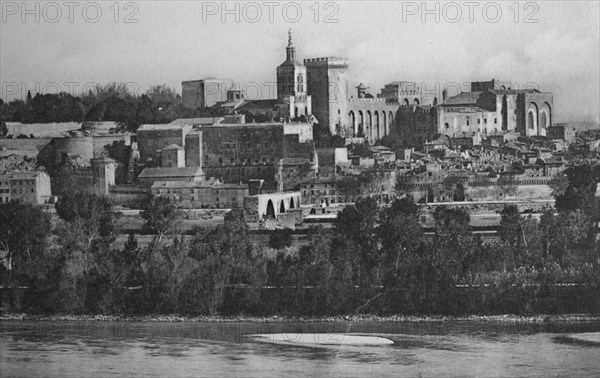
[211,349]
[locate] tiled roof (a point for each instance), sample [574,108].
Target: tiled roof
[464,98]
[261,104]
[197,121]
[197,184]
[171,172]
[160,127]
[173,147]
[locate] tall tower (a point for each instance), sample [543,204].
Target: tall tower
[291,75]
[103,174]
[291,83]
[328,87]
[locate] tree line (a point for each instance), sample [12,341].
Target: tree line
[376,259]
[115,102]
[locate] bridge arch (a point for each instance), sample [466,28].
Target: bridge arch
[270,210]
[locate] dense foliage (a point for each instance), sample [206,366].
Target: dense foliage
[374,260]
[114,102]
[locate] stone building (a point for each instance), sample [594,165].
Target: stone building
[328,87]
[291,83]
[492,109]
[204,93]
[202,194]
[403,92]
[236,153]
[103,176]
[154,138]
[416,124]
[150,175]
[27,187]
[320,192]
[364,116]
[173,156]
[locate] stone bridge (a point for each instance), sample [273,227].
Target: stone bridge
[270,205]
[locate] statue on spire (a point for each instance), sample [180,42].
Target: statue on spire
[290,49]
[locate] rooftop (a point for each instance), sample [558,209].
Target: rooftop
[216,184]
[171,172]
[161,127]
[173,147]
[197,121]
[464,98]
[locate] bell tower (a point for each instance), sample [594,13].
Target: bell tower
[291,74]
[291,83]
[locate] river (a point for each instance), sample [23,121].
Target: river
[223,349]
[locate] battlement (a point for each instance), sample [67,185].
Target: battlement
[329,62]
[374,99]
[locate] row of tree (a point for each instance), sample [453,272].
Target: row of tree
[374,260]
[114,102]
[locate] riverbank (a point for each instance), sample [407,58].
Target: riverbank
[297,319]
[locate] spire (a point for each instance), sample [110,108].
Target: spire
[290,49]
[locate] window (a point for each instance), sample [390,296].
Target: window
[264,159]
[266,145]
[232,160]
[485,121]
[495,120]
[479,121]
[31,190]
[220,160]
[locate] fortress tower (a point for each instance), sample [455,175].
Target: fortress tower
[328,87]
[103,174]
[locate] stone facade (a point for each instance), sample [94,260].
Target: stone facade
[202,194]
[242,152]
[204,93]
[103,174]
[150,175]
[416,124]
[173,156]
[291,84]
[271,205]
[493,110]
[371,118]
[328,87]
[26,187]
[154,138]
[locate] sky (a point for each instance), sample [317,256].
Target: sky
[553,46]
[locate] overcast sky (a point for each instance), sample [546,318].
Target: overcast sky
[558,50]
